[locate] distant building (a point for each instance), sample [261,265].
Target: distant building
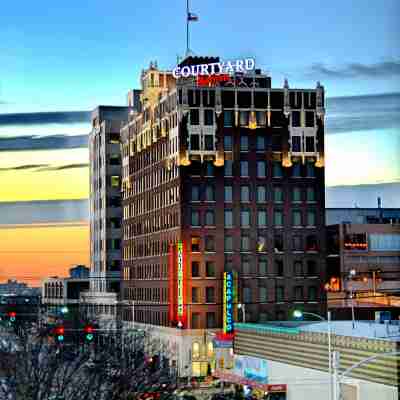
[13,287]
[79,272]
[362,215]
[290,361]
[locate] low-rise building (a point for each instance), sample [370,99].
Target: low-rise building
[290,360]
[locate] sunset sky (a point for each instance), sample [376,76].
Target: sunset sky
[56,65]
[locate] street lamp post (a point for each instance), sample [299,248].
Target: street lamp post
[300,314]
[241,306]
[352,273]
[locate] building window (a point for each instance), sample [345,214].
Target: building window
[312,293]
[195,349]
[298,268]
[244,143]
[209,142]
[278,195]
[194,142]
[298,293]
[247,295]
[296,144]
[261,169]
[210,218]
[210,349]
[261,194]
[244,118]
[195,294]
[262,218]
[228,143]
[209,168]
[279,267]
[195,193]
[115,181]
[260,143]
[277,171]
[311,268]
[296,217]
[195,221]
[296,170]
[262,266]
[244,194]
[278,218]
[244,168]
[280,294]
[228,118]
[245,218]
[208,117]
[211,321]
[296,118]
[194,116]
[228,243]
[195,320]
[311,217]
[209,243]
[228,170]
[195,269]
[311,243]
[278,243]
[246,270]
[261,244]
[228,195]
[228,218]
[310,194]
[297,243]
[296,194]
[309,119]
[245,243]
[210,193]
[210,269]
[195,244]
[262,294]
[210,294]
[310,170]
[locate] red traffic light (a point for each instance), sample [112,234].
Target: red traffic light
[60,331]
[12,314]
[88,329]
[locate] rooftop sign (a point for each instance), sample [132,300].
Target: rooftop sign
[216,68]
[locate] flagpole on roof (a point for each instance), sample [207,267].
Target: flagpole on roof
[187,27]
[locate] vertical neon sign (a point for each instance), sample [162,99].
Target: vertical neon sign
[228,302]
[180,280]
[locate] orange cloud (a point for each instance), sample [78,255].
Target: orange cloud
[31,253]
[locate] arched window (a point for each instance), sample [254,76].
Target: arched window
[196,350]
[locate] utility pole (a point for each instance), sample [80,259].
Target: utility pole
[336,383]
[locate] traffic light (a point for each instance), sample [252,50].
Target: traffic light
[12,315]
[89,333]
[60,331]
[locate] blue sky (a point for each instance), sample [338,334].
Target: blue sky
[58,56]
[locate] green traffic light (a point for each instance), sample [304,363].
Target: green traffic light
[89,337]
[60,338]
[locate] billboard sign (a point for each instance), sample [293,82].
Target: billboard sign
[252,368]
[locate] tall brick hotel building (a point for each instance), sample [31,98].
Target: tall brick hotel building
[220,173]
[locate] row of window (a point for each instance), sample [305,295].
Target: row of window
[208,297]
[300,294]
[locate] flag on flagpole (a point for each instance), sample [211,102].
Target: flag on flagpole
[192,17]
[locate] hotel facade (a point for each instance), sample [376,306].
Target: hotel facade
[222,179]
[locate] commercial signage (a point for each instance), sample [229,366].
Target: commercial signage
[252,368]
[228,297]
[216,68]
[180,279]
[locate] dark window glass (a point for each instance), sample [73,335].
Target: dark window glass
[298,293]
[279,267]
[228,218]
[276,143]
[195,244]
[228,118]
[195,220]
[278,243]
[276,99]
[310,144]
[246,269]
[228,170]
[245,243]
[312,293]
[228,194]
[311,268]
[195,295]
[310,194]
[296,144]
[195,142]
[244,118]
[244,99]
[261,98]
[244,168]
[262,218]
[262,266]
[277,119]
[195,269]
[260,143]
[280,294]
[194,116]
[262,294]
[278,194]
[195,193]
[296,118]
[228,243]
[296,194]
[208,98]
[208,142]
[309,119]
[211,321]
[311,218]
[244,143]
[298,268]
[209,168]
[277,171]
[195,168]
[208,117]
[261,118]
[297,243]
[296,218]
[278,218]
[311,243]
[246,295]
[210,193]
[310,170]
[261,169]
[209,243]
[245,218]
[228,98]
[210,269]
[296,170]
[261,194]
[210,218]
[245,194]
[228,143]
[210,294]
[195,320]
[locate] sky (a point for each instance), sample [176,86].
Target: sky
[59,60]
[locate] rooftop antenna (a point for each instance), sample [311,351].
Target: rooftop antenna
[190,17]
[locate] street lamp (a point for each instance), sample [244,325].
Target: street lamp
[352,273]
[241,306]
[299,314]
